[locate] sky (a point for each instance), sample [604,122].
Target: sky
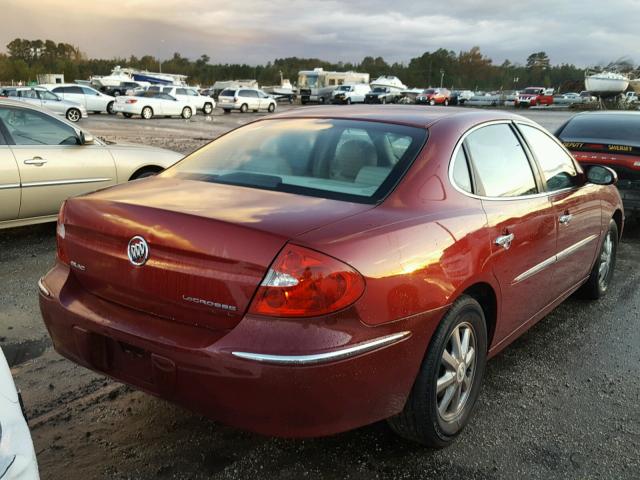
[585,33]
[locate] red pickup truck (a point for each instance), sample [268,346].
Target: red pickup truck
[532,96]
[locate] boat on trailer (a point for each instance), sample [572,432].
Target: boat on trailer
[606,84]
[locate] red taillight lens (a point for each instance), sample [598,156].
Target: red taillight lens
[60,236]
[131,100]
[305,283]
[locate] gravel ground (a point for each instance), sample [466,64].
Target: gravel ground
[562,402]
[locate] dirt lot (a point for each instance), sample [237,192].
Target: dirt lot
[562,402]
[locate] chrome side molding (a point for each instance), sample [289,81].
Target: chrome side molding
[333,355]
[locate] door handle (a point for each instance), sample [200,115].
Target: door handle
[565,219]
[37,161]
[504,241]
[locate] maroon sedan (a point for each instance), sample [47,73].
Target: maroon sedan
[320,270]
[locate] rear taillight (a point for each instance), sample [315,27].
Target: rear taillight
[60,236]
[305,283]
[131,100]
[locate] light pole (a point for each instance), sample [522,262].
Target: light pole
[441,76]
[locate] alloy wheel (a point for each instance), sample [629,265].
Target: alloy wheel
[456,373]
[73,115]
[606,257]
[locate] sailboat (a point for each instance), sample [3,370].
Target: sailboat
[606,84]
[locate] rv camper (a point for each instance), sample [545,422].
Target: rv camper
[317,85]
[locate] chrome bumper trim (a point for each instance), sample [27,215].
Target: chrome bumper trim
[44,290]
[333,355]
[7,186]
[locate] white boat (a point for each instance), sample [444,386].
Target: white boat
[606,84]
[119,75]
[285,88]
[389,81]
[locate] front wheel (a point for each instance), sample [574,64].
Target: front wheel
[271,108]
[448,383]
[110,109]
[602,272]
[147,113]
[186,113]
[73,115]
[207,109]
[446,102]
[432,102]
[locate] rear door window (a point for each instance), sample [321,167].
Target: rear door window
[28,127]
[500,163]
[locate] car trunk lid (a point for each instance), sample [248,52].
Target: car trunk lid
[209,245]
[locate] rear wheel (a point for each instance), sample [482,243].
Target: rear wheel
[186,113]
[244,108]
[147,113]
[446,102]
[207,109]
[271,108]
[602,271]
[448,384]
[384,100]
[73,115]
[110,110]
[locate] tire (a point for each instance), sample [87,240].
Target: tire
[348,101]
[147,113]
[446,102]
[321,100]
[432,102]
[73,115]
[110,108]
[420,420]
[383,101]
[207,109]
[127,115]
[271,108]
[187,113]
[145,172]
[244,108]
[602,272]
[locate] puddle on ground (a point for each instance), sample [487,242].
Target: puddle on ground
[20,352]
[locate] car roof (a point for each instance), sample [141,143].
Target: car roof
[609,113]
[411,115]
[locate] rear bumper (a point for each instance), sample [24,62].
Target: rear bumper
[291,378]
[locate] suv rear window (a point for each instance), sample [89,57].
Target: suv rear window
[228,93]
[609,128]
[348,160]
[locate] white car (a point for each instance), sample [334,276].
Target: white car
[190,95]
[17,456]
[93,100]
[41,97]
[149,104]
[350,93]
[245,99]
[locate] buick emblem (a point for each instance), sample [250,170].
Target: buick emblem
[138,250]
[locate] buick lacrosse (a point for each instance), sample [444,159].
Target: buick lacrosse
[323,269]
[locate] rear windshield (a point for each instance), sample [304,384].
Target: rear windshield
[348,160]
[227,93]
[610,128]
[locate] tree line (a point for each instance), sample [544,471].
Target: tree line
[26,59]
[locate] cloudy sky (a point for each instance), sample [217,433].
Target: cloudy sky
[586,32]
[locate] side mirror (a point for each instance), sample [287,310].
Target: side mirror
[601,175]
[86,138]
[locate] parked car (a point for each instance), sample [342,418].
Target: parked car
[434,96]
[245,99]
[309,273]
[588,96]
[350,93]
[203,103]
[90,98]
[41,97]
[610,138]
[125,88]
[631,97]
[44,160]
[17,456]
[571,96]
[382,95]
[149,104]
[534,96]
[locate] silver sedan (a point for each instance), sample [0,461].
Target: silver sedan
[41,97]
